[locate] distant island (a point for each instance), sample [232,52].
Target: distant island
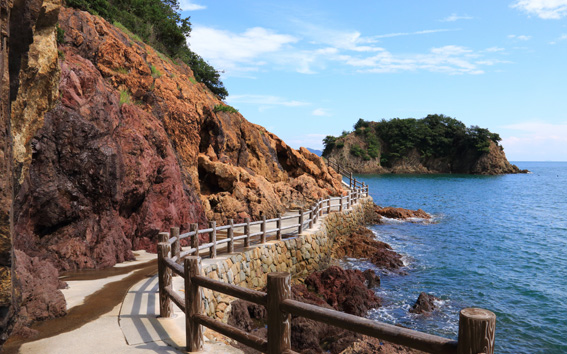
[434,144]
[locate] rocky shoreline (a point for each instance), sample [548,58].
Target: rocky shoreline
[347,290]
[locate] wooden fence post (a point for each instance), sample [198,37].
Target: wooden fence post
[316,212]
[195,238]
[476,331]
[247,232]
[300,227]
[279,227]
[193,331]
[310,218]
[350,180]
[341,203]
[231,236]
[164,279]
[349,200]
[213,240]
[329,205]
[320,203]
[163,237]
[176,245]
[279,323]
[263,229]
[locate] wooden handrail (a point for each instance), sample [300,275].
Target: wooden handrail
[476,326]
[397,335]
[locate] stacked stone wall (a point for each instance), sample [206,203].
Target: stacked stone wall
[299,256]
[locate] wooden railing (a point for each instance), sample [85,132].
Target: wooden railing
[476,326]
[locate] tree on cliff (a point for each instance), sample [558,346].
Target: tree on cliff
[434,136]
[158,23]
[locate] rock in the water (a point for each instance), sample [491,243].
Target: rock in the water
[362,244]
[400,213]
[424,304]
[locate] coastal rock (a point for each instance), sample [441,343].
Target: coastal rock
[424,304]
[344,290]
[400,213]
[362,244]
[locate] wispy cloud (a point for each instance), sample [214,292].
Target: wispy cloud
[545,9]
[188,5]
[536,141]
[519,37]
[321,112]
[449,59]
[454,17]
[416,33]
[560,39]
[259,49]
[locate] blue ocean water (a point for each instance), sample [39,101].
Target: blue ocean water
[497,242]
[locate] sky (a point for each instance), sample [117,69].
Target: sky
[311,68]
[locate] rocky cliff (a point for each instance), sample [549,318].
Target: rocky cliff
[113,142]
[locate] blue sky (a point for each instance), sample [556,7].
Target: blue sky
[307,69]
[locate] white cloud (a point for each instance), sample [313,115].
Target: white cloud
[520,37]
[545,9]
[188,5]
[536,141]
[237,51]
[321,112]
[265,100]
[450,59]
[454,17]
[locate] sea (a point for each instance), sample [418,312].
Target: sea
[495,242]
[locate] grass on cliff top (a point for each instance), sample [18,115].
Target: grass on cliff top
[159,24]
[225,108]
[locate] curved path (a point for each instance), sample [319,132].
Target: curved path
[99,322]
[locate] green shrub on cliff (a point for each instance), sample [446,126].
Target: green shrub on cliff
[158,23]
[225,108]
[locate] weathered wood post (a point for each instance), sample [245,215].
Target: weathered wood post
[310,218]
[341,203]
[300,227]
[193,331]
[279,323]
[176,245]
[279,227]
[329,205]
[263,229]
[164,278]
[163,237]
[349,200]
[350,180]
[316,212]
[247,232]
[213,240]
[195,237]
[476,331]
[231,236]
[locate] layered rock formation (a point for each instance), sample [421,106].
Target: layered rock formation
[127,146]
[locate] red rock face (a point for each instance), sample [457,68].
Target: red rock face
[127,153]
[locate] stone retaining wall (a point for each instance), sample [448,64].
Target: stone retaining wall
[299,256]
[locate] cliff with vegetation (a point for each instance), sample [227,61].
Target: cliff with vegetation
[434,144]
[107,141]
